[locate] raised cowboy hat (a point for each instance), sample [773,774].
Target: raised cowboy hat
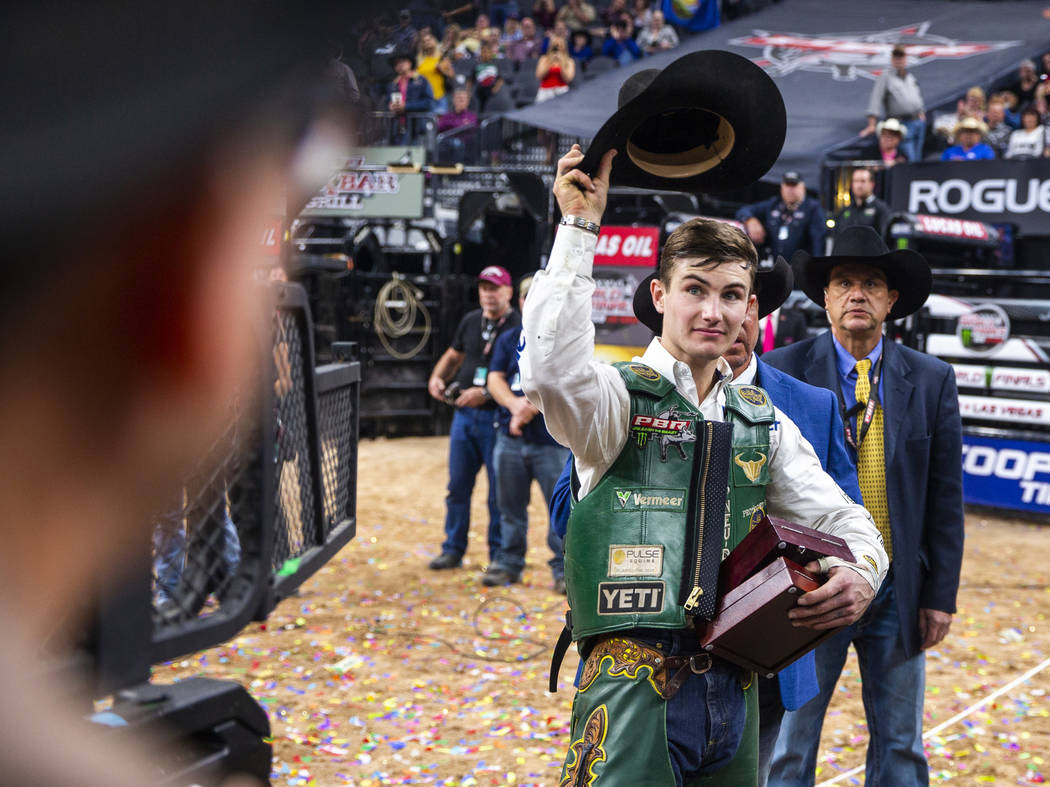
[711,121]
[772,286]
[906,271]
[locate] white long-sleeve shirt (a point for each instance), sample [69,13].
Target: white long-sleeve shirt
[586,405]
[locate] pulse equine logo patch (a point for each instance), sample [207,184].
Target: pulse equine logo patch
[635,560]
[865,54]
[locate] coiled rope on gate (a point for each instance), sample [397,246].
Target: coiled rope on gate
[398,304]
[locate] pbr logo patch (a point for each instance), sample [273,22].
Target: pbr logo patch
[755,396]
[670,428]
[630,598]
[636,560]
[650,499]
[644,371]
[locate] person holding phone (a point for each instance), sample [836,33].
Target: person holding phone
[555,70]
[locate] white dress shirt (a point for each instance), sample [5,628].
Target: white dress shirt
[586,404]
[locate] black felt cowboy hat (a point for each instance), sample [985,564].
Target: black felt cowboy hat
[711,121]
[906,271]
[772,287]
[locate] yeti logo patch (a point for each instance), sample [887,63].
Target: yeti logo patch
[630,598]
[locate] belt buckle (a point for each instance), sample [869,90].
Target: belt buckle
[705,663]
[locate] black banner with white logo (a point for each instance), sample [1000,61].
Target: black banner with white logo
[1015,192]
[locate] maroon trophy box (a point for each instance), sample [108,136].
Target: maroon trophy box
[772,538]
[751,626]
[759,583]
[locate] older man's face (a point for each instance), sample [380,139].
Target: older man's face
[968,137]
[888,140]
[858,299]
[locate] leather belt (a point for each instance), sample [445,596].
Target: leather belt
[683,667]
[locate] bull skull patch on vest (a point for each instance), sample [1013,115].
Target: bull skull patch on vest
[752,465]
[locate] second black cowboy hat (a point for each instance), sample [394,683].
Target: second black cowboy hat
[711,121]
[906,271]
[772,286]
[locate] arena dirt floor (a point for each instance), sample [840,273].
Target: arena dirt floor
[382,672]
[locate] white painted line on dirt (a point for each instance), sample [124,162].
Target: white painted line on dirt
[958,716]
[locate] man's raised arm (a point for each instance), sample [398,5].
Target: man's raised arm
[558,371]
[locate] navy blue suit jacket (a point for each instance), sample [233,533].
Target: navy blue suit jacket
[922,437]
[816,413]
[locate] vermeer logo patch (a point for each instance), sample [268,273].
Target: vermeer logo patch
[636,560]
[649,499]
[630,598]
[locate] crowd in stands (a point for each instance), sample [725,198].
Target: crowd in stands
[1007,121]
[498,56]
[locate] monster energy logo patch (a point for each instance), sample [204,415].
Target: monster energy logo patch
[636,560]
[630,598]
[649,499]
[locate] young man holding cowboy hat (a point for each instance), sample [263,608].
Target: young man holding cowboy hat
[674,465]
[902,424]
[815,412]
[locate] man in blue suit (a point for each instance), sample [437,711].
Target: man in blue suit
[902,423]
[816,414]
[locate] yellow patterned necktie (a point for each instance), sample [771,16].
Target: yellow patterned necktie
[871,460]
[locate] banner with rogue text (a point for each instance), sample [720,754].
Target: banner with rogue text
[998,192]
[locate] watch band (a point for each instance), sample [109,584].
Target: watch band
[582,223]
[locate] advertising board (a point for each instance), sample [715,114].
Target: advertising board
[623,257]
[998,192]
[1006,473]
[358,189]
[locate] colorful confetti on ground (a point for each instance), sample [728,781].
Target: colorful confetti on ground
[382,672]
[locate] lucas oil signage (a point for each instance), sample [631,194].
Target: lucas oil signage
[623,257]
[1015,192]
[1006,473]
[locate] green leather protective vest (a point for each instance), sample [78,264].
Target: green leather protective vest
[643,546]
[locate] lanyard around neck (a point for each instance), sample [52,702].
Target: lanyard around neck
[869,410]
